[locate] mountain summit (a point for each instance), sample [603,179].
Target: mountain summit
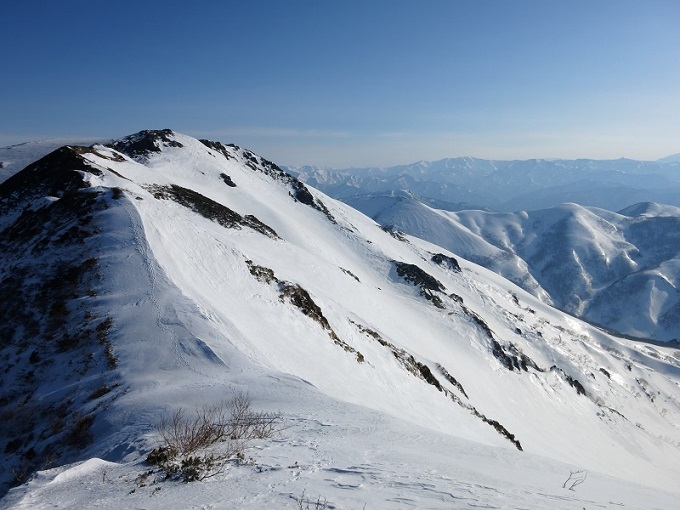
[160,272]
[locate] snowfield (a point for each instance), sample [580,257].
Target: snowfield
[619,270]
[405,375]
[349,457]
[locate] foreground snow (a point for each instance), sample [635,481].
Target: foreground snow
[351,458]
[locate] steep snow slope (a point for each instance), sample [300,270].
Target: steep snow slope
[210,270]
[408,214]
[618,270]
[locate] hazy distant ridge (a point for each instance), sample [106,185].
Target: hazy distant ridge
[469,183]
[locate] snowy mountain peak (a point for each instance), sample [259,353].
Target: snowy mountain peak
[650,209]
[161,272]
[140,145]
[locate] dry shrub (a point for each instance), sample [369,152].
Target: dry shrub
[200,445]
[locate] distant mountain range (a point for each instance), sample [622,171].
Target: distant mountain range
[508,186]
[619,270]
[158,274]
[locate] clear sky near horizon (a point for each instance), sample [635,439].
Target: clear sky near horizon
[351,83]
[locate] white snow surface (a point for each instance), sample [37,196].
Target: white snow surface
[619,270]
[192,325]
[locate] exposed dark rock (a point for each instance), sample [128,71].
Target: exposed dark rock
[217,146]
[501,430]
[251,221]
[605,372]
[451,379]
[644,386]
[446,261]
[301,299]
[413,274]
[373,334]
[54,175]
[303,195]
[140,145]
[428,376]
[210,209]
[500,354]
[227,180]
[350,273]
[304,302]
[611,410]
[570,380]
[422,371]
[456,298]
[512,358]
[397,234]
[261,273]
[298,190]
[478,320]
[427,283]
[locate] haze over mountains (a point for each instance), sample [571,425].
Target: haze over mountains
[508,186]
[162,272]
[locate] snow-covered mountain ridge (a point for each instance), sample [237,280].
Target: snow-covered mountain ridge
[15,158]
[619,270]
[162,271]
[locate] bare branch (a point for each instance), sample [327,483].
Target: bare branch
[575,478]
[232,424]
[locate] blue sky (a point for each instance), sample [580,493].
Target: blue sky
[352,83]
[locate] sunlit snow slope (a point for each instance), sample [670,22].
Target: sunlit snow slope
[619,270]
[161,271]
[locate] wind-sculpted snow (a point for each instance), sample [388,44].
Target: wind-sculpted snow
[388,397]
